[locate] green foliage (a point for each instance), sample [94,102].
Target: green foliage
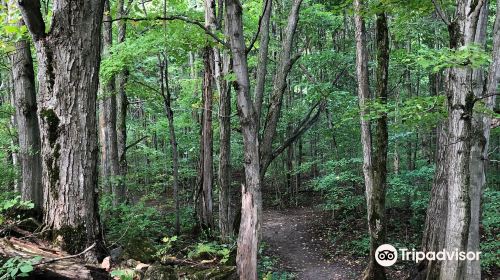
[133,226]
[9,207]
[437,60]
[166,246]
[211,250]
[490,245]
[17,267]
[123,274]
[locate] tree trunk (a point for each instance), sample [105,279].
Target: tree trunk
[263,52]
[481,132]
[460,96]
[375,194]
[107,122]
[122,102]
[68,59]
[167,102]
[225,224]
[283,68]
[24,93]
[251,207]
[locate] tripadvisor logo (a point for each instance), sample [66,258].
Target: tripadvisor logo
[387,255]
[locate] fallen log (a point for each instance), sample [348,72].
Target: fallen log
[55,263]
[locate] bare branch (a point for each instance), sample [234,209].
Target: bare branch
[67,257]
[256,35]
[181,18]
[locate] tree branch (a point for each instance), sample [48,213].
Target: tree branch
[256,35]
[181,18]
[304,125]
[441,13]
[67,257]
[135,143]
[33,18]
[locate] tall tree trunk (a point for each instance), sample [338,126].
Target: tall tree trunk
[375,194]
[263,53]
[225,224]
[251,207]
[167,102]
[283,69]
[122,101]
[481,132]
[206,145]
[461,100]
[24,96]
[107,122]
[69,58]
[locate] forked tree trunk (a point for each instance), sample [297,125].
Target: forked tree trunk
[251,208]
[107,122]
[69,58]
[24,93]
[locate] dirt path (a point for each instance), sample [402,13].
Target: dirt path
[290,235]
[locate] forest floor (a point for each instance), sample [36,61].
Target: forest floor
[291,236]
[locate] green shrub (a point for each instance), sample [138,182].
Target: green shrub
[16,267]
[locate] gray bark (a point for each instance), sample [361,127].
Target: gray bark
[460,96]
[24,97]
[283,69]
[263,53]
[68,71]
[107,123]
[225,224]
[481,131]
[251,208]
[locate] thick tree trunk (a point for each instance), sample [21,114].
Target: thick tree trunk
[69,58]
[24,94]
[107,123]
[251,208]
[375,194]
[481,132]
[460,96]
[435,222]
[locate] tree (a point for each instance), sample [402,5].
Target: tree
[251,191]
[374,151]
[68,71]
[24,91]
[107,122]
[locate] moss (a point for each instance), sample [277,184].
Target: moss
[52,121]
[74,238]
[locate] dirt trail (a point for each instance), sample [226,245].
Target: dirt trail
[290,235]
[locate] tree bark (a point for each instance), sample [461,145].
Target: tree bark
[24,93]
[263,53]
[481,131]
[283,68]
[167,102]
[68,71]
[225,224]
[460,95]
[107,122]
[122,101]
[375,193]
[251,208]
